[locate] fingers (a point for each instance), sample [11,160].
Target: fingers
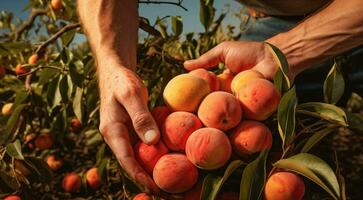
[116,136]
[207,60]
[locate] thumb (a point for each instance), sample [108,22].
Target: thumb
[207,60]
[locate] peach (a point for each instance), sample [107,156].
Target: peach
[250,137]
[44,141]
[56,5]
[220,110]
[241,79]
[225,80]
[33,59]
[185,92]
[54,162]
[259,99]
[12,197]
[7,109]
[160,113]
[2,71]
[28,139]
[174,173]
[142,196]
[207,76]
[21,167]
[93,178]
[71,182]
[148,155]
[208,148]
[177,128]
[195,193]
[75,125]
[20,70]
[284,186]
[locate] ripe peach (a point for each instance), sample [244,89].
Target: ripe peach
[142,196]
[33,59]
[284,186]
[71,182]
[12,197]
[56,5]
[225,80]
[75,125]
[250,137]
[160,113]
[21,167]
[241,78]
[28,139]
[2,71]
[220,110]
[259,99]
[43,141]
[148,155]
[185,92]
[54,162]
[208,148]
[7,109]
[20,70]
[177,128]
[195,192]
[174,173]
[207,76]
[93,178]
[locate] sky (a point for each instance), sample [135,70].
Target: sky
[190,18]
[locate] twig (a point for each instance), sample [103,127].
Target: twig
[149,29]
[179,3]
[57,35]
[29,22]
[41,67]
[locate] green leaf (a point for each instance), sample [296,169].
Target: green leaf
[334,85]
[47,75]
[253,178]
[41,168]
[213,182]
[68,36]
[177,25]
[281,80]
[355,121]
[20,96]
[206,14]
[100,154]
[51,90]
[13,120]
[313,168]
[286,116]
[76,77]
[77,104]
[63,88]
[324,111]
[314,139]
[14,150]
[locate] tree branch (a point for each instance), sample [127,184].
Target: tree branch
[148,28]
[26,25]
[179,3]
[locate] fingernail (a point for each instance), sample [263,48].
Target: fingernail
[150,136]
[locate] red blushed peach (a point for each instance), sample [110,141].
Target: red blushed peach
[12,197]
[160,113]
[174,173]
[241,78]
[225,80]
[250,137]
[56,5]
[71,182]
[284,186]
[54,162]
[142,196]
[148,155]
[220,110]
[259,99]
[33,59]
[177,128]
[7,109]
[93,178]
[44,141]
[75,125]
[207,76]
[208,148]
[20,70]
[195,192]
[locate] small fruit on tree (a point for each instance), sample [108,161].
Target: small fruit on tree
[33,59]
[148,155]
[20,70]
[28,140]
[56,5]
[21,167]
[44,141]
[177,128]
[2,71]
[241,79]
[174,173]
[160,113]
[284,186]
[75,125]
[185,92]
[93,178]
[12,197]
[7,109]
[209,77]
[225,79]
[71,182]
[208,148]
[220,110]
[54,162]
[142,196]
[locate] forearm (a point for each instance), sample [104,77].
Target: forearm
[330,32]
[112,29]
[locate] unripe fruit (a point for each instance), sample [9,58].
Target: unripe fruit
[56,5]
[259,99]
[20,70]
[7,109]
[174,173]
[44,141]
[185,92]
[71,182]
[33,59]
[220,110]
[142,196]
[75,125]
[2,71]
[160,113]
[209,77]
[208,148]
[93,178]
[225,80]
[241,79]
[177,128]
[54,163]
[250,137]
[284,186]
[148,155]
[12,197]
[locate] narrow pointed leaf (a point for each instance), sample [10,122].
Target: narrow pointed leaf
[14,150]
[334,85]
[324,111]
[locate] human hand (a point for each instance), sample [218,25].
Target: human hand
[124,102]
[237,56]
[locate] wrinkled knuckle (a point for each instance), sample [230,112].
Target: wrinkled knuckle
[141,121]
